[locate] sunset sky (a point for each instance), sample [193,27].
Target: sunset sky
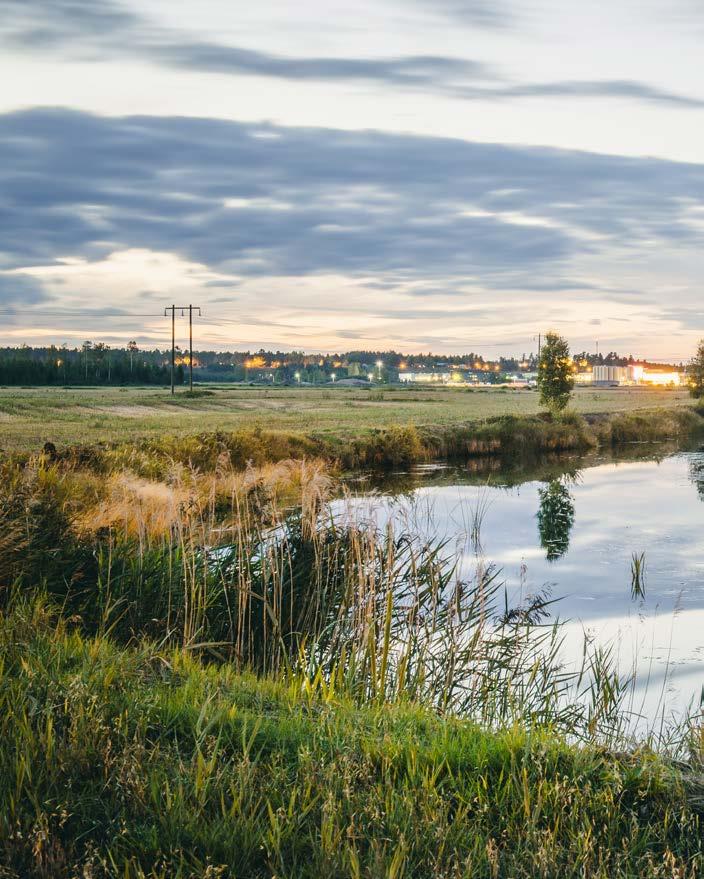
[445,175]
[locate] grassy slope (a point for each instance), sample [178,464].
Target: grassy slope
[132,763]
[29,417]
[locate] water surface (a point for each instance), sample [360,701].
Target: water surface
[569,527]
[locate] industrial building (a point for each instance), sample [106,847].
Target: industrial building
[613,375]
[616,376]
[425,377]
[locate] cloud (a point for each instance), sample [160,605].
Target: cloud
[430,215]
[599,89]
[492,14]
[19,290]
[82,27]
[86,30]
[412,71]
[46,24]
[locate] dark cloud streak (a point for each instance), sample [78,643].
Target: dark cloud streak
[85,29]
[421,70]
[490,14]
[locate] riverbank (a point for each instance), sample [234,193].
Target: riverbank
[389,447]
[144,762]
[29,417]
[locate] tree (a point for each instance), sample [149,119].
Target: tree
[555,373]
[132,348]
[87,346]
[695,372]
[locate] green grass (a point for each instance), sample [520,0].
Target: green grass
[143,762]
[30,417]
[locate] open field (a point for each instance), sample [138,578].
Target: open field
[31,416]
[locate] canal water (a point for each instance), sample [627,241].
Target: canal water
[575,528]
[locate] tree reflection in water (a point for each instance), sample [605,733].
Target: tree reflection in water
[555,519]
[696,472]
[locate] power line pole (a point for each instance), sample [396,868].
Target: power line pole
[190,345]
[182,308]
[172,309]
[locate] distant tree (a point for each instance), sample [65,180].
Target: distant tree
[555,373]
[695,372]
[132,348]
[87,347]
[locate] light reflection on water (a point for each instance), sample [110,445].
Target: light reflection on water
[571,526]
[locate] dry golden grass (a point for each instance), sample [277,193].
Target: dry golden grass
[149,509]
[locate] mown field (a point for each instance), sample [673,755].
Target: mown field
[30,417]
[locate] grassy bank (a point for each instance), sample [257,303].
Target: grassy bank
[392,446]
[144,762]
[31,417]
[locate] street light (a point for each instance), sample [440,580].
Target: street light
[379,365]
[370,376]
[332,376]
[298,377]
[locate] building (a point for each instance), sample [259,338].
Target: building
[613,375]
[440,378]
[634,374]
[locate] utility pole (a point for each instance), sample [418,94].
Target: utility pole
[172,309]
[190,345]
[182,308]
[539,342]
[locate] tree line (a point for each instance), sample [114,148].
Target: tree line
[91,364]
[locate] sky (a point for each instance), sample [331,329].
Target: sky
[328,175]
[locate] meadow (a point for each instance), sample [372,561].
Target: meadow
[31,416]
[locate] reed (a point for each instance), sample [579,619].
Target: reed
[638,575]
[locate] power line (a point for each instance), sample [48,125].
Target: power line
[76,312]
